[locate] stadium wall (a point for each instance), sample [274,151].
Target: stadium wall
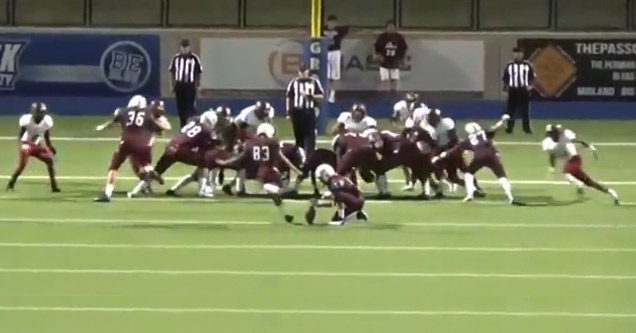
[482,104]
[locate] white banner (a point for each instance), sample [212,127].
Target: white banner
[268,63]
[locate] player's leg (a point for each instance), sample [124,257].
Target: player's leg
[181,183]
[524,109]
[498,170]
[394,81]
[272,186]
[511,111]
[573,166]
[143,156]
[350,207]
[409,185]
[45,155]
[23,158]
[116,161]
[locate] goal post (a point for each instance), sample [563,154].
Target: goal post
[315,54]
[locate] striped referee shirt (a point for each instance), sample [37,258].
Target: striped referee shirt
[186,68]
[518,74]
[300,90]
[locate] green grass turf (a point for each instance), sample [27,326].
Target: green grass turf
[236,263]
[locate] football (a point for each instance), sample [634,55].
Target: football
[310,215]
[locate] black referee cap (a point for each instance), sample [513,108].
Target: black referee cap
[517,49]
[185,42]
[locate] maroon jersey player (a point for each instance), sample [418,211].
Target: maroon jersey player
[139,123]
[263,151]
[345,194]
[479,151]
[35,126]
[355,152]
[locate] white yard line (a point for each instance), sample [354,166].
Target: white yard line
[312,247]
[428,224]
[507,143]
[313,274]
[493,182]
[459,313]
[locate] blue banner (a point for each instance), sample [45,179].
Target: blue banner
[79,65]
[315,54]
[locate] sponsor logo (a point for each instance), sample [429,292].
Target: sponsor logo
[126,66]
[10,51]
[555,70]
[283,62]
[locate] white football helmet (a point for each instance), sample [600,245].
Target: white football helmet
[209,118]
[138,101]
[224,111]
[324,171]
[472,128]
[266,129]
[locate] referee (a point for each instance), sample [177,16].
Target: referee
[518,79]
[185,70]
[303,93]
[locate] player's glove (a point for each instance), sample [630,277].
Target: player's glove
[100,127]
[505,117]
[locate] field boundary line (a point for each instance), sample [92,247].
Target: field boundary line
[313,274]
[517,182]
[430,224]
[508,143]
[458,313]
[311,247]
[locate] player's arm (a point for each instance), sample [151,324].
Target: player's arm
[586,145]
[378,47]
[453,139]
[232,159]
[505,79]
[198,69]
[446,153]
[289,96]
[111,122]
[163,123]
[172,70]
[319,92]
[241,119]
[289,163]
[49,144]
[402,48]
[499,124]
[339,127]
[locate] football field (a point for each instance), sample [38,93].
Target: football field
[563,264]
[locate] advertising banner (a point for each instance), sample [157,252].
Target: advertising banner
[584,69]
[79,65]
[268,63]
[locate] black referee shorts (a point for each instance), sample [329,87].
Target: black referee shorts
[304,126]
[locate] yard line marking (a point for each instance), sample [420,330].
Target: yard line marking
[127,221]
[508,143]
[315,274]
[312,247]
[516,182]
[429,224]
[460,313]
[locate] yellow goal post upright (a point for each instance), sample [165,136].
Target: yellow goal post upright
[315,54]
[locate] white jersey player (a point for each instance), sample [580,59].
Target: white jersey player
[445,132]
[255,115]
[354,121]
[34,129]
[560,143]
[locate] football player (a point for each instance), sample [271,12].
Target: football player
[560,143]
[263,152]
[139,124]
[479,151]
[346,196]
[354,121]
[34,126]
[254,115]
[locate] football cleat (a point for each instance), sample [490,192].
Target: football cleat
[227,189]
[468,198]
[289,218]
[55,190]
[205,194]
[172,193]
[104,198]
[362,216]
[408,188]
[337,222]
